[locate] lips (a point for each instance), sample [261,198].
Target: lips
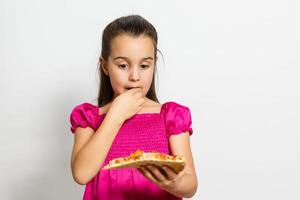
[128,88]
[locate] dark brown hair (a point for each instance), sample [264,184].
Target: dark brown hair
[133,25]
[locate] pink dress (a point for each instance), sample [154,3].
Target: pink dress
[144,131]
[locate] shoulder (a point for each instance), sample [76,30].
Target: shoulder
[172,106]
[85,106]
[177,118]
[83,115]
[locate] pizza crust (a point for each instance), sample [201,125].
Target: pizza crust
[139,158]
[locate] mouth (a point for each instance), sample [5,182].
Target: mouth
[128,88]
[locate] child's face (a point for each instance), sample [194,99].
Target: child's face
[130,63]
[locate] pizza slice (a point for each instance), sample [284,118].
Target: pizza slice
[139,158]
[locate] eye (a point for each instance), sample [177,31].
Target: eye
[123,66]
[144,66]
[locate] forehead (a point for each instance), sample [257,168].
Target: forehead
[132,47]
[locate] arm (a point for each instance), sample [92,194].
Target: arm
[183,184]
[91,148]
[187,185]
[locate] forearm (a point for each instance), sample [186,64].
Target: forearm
[89,159]
[186,187]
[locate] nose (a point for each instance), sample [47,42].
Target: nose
[134,74]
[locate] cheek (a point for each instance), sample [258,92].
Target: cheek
[117,83]
[148,79]
[147,83]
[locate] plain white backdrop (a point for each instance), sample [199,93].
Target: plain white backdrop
[235,63]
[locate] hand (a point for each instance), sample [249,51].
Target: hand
[128,103]
[165,177]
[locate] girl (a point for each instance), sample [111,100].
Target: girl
[129,117]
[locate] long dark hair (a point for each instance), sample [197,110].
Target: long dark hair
[134,25]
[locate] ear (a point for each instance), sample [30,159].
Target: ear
[103,66]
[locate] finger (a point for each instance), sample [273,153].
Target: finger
[136,90]
[157,172]
[138,94]
[141,101]
[147,174]
[171,174]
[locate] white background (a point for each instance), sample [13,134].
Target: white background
[234,63]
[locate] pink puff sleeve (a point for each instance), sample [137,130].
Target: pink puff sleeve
[177,118]
[84,115]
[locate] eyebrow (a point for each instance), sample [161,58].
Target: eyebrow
[125,58]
